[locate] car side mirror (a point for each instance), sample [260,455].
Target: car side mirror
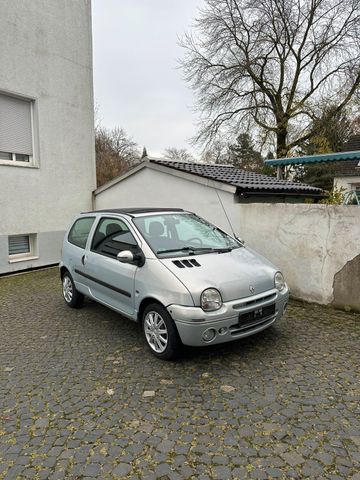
[125,256]
[241,240]
[128,257]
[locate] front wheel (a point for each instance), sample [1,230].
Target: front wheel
[160,332]
[72,297]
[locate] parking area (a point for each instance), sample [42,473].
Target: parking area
[81,398]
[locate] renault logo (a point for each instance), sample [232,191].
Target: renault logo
[252,289]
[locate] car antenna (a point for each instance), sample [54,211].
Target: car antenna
[226,215]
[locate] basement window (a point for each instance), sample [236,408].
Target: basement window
[22,247]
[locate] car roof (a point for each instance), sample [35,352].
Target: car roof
[132,212]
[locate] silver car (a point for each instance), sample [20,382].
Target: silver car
[183,279]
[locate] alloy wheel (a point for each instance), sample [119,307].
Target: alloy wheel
[156,332]
[67,289]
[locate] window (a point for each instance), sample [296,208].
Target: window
[21,247]
[16,139]
[79,232]
[172,233]
[113,236]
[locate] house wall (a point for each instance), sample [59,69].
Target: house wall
[346,182]
[152,188]
[316,246]
[46,55]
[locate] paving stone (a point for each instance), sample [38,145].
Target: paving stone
[221,472]
[121,470]
[293,458]
[291,411]
[92,470]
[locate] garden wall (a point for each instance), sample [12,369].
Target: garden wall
[316,246]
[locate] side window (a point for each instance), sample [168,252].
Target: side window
[79,232]
[113,236]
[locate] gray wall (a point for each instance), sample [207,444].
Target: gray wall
[316,246]
[46,55]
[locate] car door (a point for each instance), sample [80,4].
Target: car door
[74,249]
[111,282]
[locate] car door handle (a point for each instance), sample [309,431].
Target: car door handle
[83,259]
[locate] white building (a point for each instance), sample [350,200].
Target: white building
[209,190]
[348,173]
[47,160]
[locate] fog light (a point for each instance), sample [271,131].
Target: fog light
[209,335]
[222,330]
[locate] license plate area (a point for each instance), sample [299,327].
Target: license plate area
[256,314]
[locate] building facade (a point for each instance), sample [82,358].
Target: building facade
[47,158]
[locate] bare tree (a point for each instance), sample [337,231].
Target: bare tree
[178,154]
[218,152]
[272,65]
[115,153]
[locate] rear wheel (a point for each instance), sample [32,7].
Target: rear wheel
[72,297]
[160,332]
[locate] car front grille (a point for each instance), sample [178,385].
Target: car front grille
[266,298]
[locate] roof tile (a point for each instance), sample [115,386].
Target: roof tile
[245,181]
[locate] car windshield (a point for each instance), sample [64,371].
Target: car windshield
[185,234]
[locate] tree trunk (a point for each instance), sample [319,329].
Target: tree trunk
[281,143]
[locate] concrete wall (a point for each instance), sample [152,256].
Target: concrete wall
[46,55]
[152,188]
[316,246]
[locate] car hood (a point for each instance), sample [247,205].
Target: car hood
[232,273]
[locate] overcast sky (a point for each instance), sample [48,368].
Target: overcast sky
[137,82]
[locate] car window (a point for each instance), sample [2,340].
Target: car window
[79,232]
[167,232]
[113,236]
[198,232]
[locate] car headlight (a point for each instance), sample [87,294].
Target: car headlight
[210,300]
[279,281]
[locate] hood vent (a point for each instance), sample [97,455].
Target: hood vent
[186,263]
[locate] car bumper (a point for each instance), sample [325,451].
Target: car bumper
[235,319]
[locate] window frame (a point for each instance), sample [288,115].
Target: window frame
[33,249]
[34,158]
[106,217]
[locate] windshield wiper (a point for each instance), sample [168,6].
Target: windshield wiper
[222,250]
[183,249]
[192,250]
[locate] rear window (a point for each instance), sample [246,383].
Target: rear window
[79,232]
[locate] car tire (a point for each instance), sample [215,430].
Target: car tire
[72,297]
[160,332]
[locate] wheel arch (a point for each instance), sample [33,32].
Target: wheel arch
[63,270]
[144,303]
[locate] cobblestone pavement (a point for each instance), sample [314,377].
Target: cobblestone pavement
[81,398]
